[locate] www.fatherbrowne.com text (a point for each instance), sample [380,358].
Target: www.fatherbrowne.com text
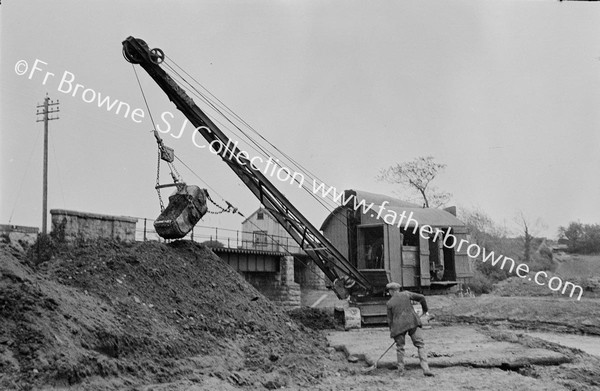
[402,220]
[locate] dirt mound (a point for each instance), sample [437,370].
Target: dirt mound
[145,313]
[314,318]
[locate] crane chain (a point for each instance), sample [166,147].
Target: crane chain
[162,206]
[230,208]
[174,173]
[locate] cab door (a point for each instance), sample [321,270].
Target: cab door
[394,254]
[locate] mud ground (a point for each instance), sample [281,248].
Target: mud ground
[448,346]
[585,343]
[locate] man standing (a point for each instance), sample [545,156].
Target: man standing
[403,319]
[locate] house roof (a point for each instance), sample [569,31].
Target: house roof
[261,209]
[424,216]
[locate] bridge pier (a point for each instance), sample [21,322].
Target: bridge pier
[271,273]
[313,277]
[287,293]
[278,286]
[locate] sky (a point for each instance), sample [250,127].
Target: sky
[505,93]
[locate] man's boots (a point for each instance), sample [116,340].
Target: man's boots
[424,364]
[400,358]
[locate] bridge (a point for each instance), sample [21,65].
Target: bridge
[242,250]
[274,265]
[271,263]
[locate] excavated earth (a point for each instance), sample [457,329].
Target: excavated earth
[111,316]
[154,316]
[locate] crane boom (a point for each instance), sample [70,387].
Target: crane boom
[336,267]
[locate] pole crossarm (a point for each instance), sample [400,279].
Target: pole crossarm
[47,108]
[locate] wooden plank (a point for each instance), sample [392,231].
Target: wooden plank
[360,249]
[424,276]
[409,277]
[463,266]
[462,263]
[337,232]
[386,247]
[394,244]
[410,256]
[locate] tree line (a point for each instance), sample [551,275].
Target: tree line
[416,176]
[580,238]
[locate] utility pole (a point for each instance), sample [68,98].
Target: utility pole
[46,109]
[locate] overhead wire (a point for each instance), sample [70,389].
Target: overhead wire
[58,173]
[298,165]
[206,100]
[203,98]
[214,107]
[194,91]
[143,96]
[198,177]
[174,173]
[23,178]
[209,102]
[171,166]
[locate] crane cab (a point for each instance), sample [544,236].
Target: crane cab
[385,248]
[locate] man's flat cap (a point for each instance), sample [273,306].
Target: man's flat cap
[393,285]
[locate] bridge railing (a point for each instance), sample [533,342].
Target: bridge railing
[222,237]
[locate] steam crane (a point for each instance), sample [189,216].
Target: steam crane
[347,279]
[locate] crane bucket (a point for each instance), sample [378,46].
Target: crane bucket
[186,207]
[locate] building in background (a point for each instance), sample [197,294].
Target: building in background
[261,231]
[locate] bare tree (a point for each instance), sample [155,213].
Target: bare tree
[417,176]
[486,233]
[529,230]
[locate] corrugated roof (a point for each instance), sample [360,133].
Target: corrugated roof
[423,216]
[378,199]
